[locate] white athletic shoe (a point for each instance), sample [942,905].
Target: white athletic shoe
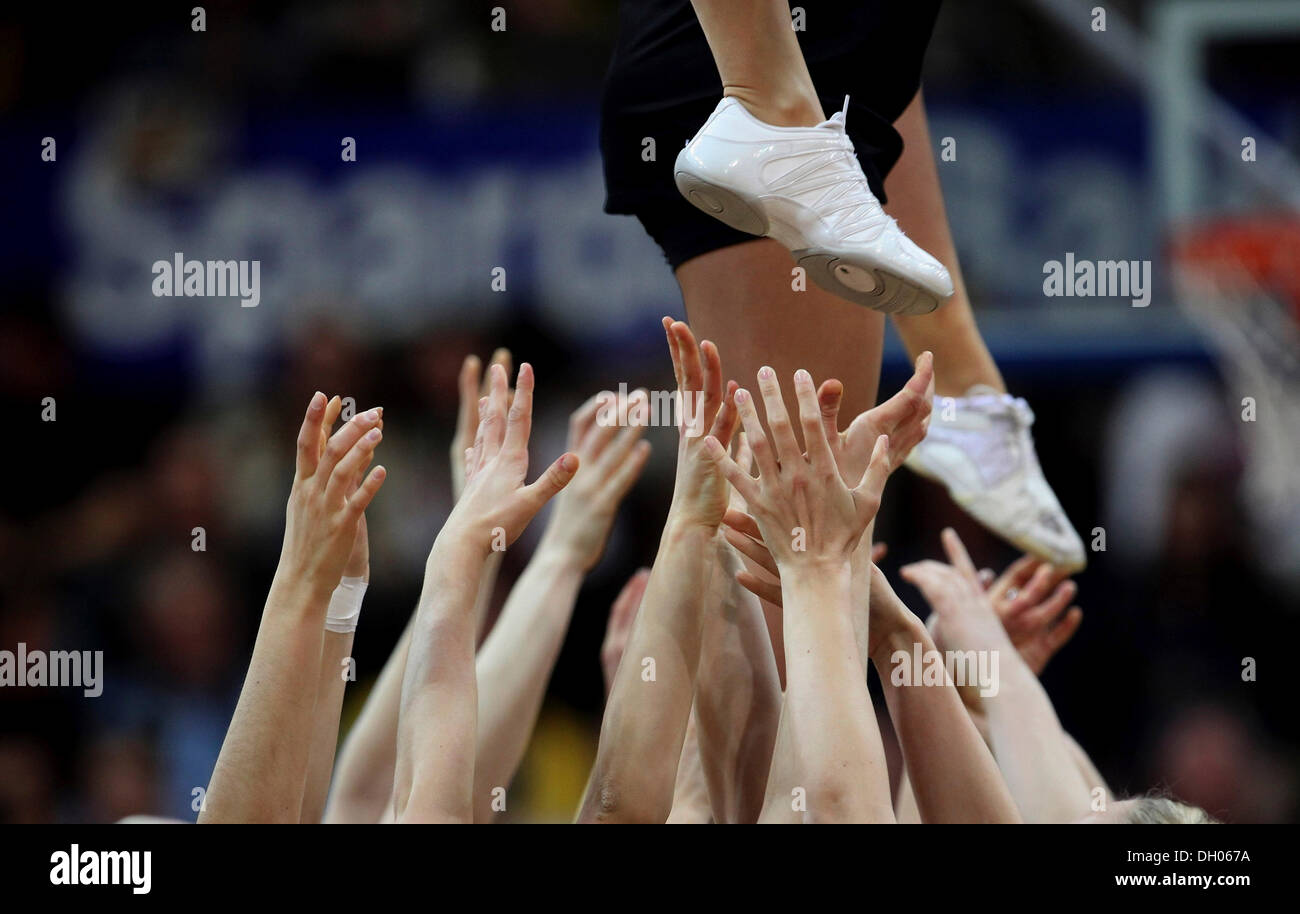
[979,447]
[804,187]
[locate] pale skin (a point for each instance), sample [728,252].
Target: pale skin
[741,295]
[515,662]
[953,775]
[1029,598]
[691,805]
[261,772]
[957,776]
[336,649]
[690,789]
[438,723]
[473,385]
[645,720]
[915,197]
[738,695]
[759,61]
[744,730]
[1028,741]
[828,764]
[363,788]
[905,418]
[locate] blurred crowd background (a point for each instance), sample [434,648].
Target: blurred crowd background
[477,149]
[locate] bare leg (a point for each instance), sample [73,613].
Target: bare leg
[961,360]
[740,297]
[759,60]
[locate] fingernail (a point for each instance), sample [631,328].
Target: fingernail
[802,375]
[317,401]
[569,463]
[766,373]
[371,415]
[374,434]
[742,396]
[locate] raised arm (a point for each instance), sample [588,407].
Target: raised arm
[336,651]
[829,762]
[738,693]
[1026,736]
[363,784]
[952,774]
[473,385]
[645,718]
[261,772]
[515,663]
[437,726]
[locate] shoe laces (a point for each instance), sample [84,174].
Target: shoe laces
[845,184]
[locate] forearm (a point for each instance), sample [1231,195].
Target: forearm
[363,789]
[690,790]
[261,771]
[830,721]
[905,809]
[514,667]
[951,772]
[487,585]
[436,732]
[1085,766]
[645,718]
[335,651]
[1030,746]
[860,595]
[737,697]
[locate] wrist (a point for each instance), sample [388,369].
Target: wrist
[683,529]
[561,553]
[297,592]
[894,638]
[464,542]
[558,558]
[818,575]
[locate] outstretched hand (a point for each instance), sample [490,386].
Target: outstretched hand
[804,510]
[1030,597]
[473,385]
[904,418]
[611,459]
[326,503]
[496,502]
[699,493]
[964,614]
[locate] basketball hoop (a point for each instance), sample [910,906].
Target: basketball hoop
[1238,280]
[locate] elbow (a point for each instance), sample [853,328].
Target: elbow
[607,804]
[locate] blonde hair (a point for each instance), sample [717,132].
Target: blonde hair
[1162,810]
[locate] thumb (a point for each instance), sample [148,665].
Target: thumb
[558,475]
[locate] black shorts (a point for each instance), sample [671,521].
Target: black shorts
[663,84]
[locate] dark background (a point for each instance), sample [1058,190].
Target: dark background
[477,149]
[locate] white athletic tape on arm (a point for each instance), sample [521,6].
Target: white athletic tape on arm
[345,606]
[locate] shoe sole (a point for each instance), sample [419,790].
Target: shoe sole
[848,275]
